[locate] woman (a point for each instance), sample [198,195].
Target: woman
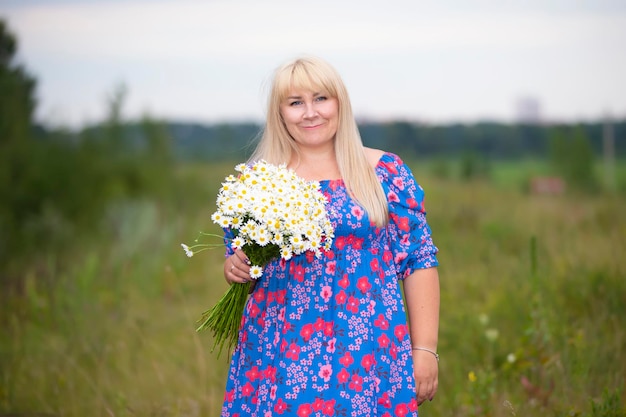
[329,336]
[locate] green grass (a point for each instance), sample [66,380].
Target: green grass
[112,334]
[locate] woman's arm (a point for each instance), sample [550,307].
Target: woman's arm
[421,291]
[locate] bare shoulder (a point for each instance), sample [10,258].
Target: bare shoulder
[373,156]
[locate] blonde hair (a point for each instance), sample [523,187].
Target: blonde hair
[276,145]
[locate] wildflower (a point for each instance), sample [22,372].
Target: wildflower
[188,251]
[492,334]
[256,271]
[471,376]
[511,358]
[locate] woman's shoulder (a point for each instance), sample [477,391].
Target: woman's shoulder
[374,156]
[378,158]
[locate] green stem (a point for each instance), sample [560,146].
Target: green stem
[224,318]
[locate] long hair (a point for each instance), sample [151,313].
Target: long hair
[276,145]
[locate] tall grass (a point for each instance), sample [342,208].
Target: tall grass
[533,318]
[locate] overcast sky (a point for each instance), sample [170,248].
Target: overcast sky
[430,61]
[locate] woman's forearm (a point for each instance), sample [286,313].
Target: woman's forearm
[421,290]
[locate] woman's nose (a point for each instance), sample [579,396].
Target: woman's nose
[309,111]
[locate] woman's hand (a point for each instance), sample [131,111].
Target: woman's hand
[237,268]
[426,368]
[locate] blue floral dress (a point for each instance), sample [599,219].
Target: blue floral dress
[329,336]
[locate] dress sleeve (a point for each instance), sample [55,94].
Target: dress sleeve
[228,237]
[410,240]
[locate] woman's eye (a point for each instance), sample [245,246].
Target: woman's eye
[295,103]
[320,98]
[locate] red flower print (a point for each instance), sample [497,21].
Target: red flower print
[253,374]
[306,332]
[280,406]
[400,331]
[294,352]
[329,328]
[318,404]
[341,297]
[384,400]
[397,181]
[247,390]
[344,281]
[356,383]
[391,167]
[368,361]
[259,295]
[270,373]
[393,351]
[374,264]
[343,376]
[386,414]
[353,305]
[305,410]
[287,327]
[298,273]
[318,325]
[383,341]
[357,244]
[387,256]
[254,310]
[331,267]
[347,359]
[280,296]
[329,408]
[229,396]
[283,345]
[310,256]
[403,223]
[340,243]
[401,410]
[412,203]
[413,404]
[333,185]
[364,285]
[381,322]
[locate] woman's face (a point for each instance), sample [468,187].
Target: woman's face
[311,117]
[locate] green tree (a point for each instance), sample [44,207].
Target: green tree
[572,156]
[17,87]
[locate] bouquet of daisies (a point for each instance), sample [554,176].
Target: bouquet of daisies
[272,213]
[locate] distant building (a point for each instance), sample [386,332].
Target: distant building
[528,110]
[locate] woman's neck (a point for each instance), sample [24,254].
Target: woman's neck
[316,166]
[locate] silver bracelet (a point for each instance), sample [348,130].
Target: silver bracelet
[428,350]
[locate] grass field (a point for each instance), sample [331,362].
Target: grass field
[533,316]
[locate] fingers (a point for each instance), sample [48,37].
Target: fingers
[426,376]
[237,268]
[426,391]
